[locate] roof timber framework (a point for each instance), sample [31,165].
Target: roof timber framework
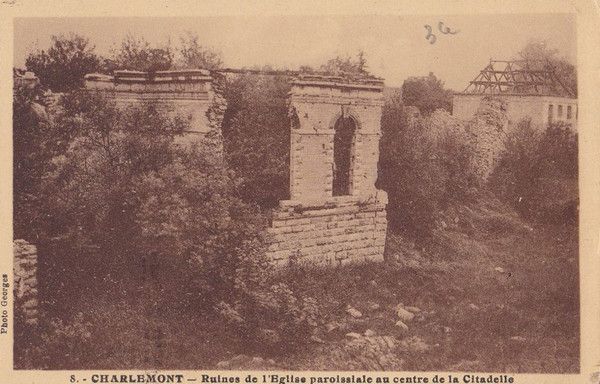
[520,77]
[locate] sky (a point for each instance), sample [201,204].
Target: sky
[395,47]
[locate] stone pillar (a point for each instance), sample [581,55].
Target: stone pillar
[315,226]
[25,275]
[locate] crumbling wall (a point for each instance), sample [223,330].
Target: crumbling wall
[25,276]
[186,93]
[488,134]
[485,132]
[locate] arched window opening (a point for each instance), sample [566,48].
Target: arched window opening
[343,143]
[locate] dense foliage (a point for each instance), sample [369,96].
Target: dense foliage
[130,213]
[256,132]
[538,172]
[422,173]
[427,93]
[63,65]
[540,54]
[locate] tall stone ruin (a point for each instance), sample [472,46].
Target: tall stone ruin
[335,214]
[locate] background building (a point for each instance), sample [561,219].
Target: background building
[530,90]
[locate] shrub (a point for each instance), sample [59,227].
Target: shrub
[422,170]
[272,319]
[537,172]
[426,93]
[66,62]
[256,133]
[123,192]
[132,214]
[34,145]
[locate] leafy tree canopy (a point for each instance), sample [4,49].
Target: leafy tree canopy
[426,93]
[193,55]
[341,64]
[136,53]
[540,54]
[64,65]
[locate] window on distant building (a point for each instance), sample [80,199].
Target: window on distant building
[569,112]
[560,110]
[550,112]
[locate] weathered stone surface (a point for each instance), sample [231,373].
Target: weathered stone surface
[353,312]
[403,314]
[25,275]
[187,93]
[401,325]
[333,235]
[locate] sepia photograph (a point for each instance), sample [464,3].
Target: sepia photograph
[296,193]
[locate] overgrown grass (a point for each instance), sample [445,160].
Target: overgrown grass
[495,294]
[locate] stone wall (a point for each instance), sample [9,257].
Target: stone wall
[343,231]
[184,93]
[25,276]
[318,102]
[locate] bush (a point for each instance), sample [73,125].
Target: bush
[273,319]
[427,93]
[256,133]
[537,173]
[66,62]
[130,214]
[34,145]
[123,192]
[423,171]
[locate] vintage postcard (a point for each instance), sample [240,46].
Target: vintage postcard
[300,192]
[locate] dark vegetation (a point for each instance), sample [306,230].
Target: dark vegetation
[162,245]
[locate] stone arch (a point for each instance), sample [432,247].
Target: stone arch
[344,112]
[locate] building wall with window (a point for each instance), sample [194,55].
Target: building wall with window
[541,109]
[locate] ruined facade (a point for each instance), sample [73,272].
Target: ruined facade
[335,214]
[529,89]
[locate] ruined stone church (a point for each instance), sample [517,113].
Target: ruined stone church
[335,215]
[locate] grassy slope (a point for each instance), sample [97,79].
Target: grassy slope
[474,318]
[469,310]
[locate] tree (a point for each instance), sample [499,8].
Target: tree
[34,146]
[122,196]
[424,166]
[426,93]
[194,55]
[341,65]
[136,53]
[256,129]
[64,65]
[539,54]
